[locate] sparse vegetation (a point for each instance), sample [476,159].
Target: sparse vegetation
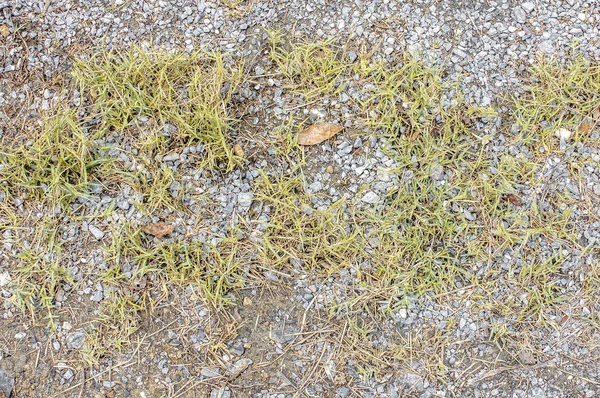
[164,101]
[56,166]
[558,96]
[312,68]
[463,218]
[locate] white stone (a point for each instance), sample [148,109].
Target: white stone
[98,234]
[245,199]
[370,197]
[563,134]
[528,6]
[4,278]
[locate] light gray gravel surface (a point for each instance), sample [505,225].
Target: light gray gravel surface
[490,43]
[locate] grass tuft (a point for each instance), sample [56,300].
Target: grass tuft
[165,101]
[313,68]
[558,96]
[55,166]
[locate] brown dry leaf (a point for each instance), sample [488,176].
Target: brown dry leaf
[414,136]
[513,199]
[318,133]
[4,31]
[159,229]
[238,151]
[586,127]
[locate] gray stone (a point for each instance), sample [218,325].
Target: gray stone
[75,340]
[123,204]
[220,393]
[96,232]
[370,197]
[171,157]
[528,6]
[245,199]
[352,56]
[537,392]
[237,349]
[519,15]
[210,372]
[97,296]
[239,367]
[169,128]
[315,186]
[6,384]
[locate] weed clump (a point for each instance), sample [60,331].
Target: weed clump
[164,100]
[558,96]
[56,165]
[312,69]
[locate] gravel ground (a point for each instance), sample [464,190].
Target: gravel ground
[277,352]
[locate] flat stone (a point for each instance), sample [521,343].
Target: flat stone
[210,372]
[370,197]
[171,157]
[519,15]
[98,234]
[6,384]
[528,6]
[245,199]
[240,366]
[75,340]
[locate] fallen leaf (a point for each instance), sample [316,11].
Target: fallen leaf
[4,31]
[586,127]
[238,151]
[318,133]
[513,199]
[159,229]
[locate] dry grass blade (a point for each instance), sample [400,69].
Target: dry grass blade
[318,133]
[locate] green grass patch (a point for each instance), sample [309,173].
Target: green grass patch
[312,69]
[298,235]
[40,271]
[55,166]
[558,96]
[191,92]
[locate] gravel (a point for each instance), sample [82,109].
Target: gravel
[370,197]
[487,43]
